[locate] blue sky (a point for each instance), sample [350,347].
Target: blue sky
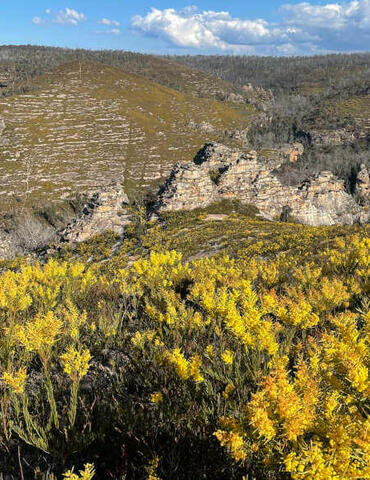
[238,27]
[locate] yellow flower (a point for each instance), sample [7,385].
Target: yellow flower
[39,334]
[177,359]
[229,390]
[209,350]
[76,364]
[86,474]
[228,357]
[157,397]
[15,381]
[233,442]
[194,369]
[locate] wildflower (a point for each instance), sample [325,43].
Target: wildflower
[229,390]
[194,369]
[157,397]
[86,474]
[233,442]
[15,381]
[228,357]
[209,350]
[177,359]
[39,334]
[76,364]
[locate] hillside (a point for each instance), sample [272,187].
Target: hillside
[184,267]
[85,124]
[320,93]
[19,64]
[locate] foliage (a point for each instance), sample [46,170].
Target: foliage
[251,363]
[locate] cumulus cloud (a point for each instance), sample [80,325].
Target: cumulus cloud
[69,16]
[38,21]
[303,28]
[106,21]
[63,17]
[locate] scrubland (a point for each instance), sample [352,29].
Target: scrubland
[200,346]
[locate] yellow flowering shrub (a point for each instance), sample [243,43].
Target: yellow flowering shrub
[250,360]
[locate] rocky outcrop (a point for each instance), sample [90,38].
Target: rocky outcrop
[104,210]
[219,172]
[363,185]
[292,151]
[258,96]
[204,127]
[332,138]
[8,249]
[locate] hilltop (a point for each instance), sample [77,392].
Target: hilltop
[19,64]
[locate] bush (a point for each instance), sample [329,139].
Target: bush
[219,368]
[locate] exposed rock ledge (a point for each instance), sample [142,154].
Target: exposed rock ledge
[103,210]
[219,172]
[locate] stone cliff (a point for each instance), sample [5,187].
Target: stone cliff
[103,210]
[219,172]
[363,185]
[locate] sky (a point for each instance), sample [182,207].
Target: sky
[237,27]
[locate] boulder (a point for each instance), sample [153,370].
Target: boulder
[332,138]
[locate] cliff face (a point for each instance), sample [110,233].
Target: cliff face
[104,210]
[363,185]
[219,172]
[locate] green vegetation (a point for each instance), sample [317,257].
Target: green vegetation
[85,124]
[152,363]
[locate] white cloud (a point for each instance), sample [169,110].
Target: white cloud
[114,31]
[110,31]
[48,11]
[303,28]
[69,16]
[106,21]
[212,30]
[38,21]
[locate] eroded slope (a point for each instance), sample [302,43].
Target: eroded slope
[86,124]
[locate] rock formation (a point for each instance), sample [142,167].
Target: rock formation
[292,151]
[332,138]
[8,249]
[258,96]
[363,185]
[219,172]
[104,210]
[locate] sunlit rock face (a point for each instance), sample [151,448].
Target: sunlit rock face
[363,185]
[104,210]
[219,173]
